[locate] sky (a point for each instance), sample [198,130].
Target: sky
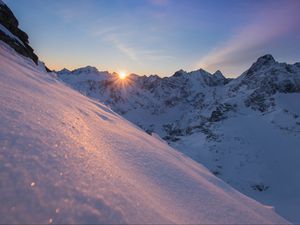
[160,36]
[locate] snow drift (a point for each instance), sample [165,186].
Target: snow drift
[67,159]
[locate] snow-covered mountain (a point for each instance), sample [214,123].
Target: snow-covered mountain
[245,130]
[65,158]
[68,159]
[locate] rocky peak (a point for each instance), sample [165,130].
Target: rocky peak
[219,78]
[63,71]
[206,78]
[12,35]
[218,73]
[199,72]
[86,70]
[179,73]
[202,71]
[261,63]
[266,59]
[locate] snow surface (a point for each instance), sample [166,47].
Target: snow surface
[67,159]
[262,152]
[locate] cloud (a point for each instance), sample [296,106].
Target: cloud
[129,52]
[123,33]
[105,31]
[129,43]
[139,54]
[269,25]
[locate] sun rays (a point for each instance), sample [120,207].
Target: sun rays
[122,75]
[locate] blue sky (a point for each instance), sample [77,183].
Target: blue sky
[160,36]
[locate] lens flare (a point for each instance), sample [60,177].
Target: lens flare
[122,75]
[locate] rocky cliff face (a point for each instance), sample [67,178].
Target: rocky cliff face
[12,35]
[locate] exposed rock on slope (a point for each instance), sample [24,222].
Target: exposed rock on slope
[12,35]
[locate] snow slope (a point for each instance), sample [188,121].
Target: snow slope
[255,156]
[67,159]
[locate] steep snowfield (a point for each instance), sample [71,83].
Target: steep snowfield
[65,158]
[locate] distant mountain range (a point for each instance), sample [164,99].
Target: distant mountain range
[245,130]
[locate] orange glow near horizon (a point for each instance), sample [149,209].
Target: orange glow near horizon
[122,75]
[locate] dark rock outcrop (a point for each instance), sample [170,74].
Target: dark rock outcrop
[265,61]
[21,44]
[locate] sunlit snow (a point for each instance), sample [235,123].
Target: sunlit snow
[67,159]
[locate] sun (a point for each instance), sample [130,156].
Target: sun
[122,75]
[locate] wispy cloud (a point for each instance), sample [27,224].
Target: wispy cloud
[114,36]
[124,37]
[139,54]
[128,42]
[106,31]
[128,51]
[267,26]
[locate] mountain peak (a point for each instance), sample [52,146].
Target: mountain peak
[179,73]
[64,70]
[261,63]
[202,70]
[87,69]
[218,73]
[219,77]
[266,59]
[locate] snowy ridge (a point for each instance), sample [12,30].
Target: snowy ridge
[68,159]
[83,74]
[232,126]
